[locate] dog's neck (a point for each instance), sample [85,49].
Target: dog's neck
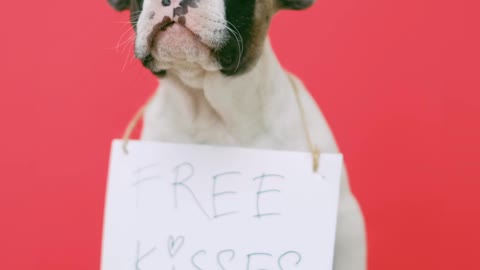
[259,101]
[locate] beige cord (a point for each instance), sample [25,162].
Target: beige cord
[313,148]
[133,123]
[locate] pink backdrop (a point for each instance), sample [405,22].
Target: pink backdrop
[397,80]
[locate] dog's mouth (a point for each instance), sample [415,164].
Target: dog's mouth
[159,37]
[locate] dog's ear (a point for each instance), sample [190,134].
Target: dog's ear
[295,4]
[119,4]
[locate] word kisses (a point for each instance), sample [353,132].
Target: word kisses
[221,259]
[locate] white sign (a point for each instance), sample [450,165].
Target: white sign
[198,207]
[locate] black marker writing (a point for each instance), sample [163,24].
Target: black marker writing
[141,257]
[174,244]
[147,167]
[249,258]
[140,179]
[216,194]
[180,182]
[192,260]
[289,254]
[262,191]
[147,173]
[220,255]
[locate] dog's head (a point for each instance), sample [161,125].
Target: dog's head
[225,35]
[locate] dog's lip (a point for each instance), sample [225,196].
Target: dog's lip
[149,59]
[161,27]
[166,23]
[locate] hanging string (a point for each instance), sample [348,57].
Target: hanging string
[313,148]
[133,123]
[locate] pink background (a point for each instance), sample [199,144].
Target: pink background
[397,80]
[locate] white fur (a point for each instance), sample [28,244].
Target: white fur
[258,110]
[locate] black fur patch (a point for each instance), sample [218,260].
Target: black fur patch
[240,14]
[295,4]
[135,10]
[182,9]
[119,4]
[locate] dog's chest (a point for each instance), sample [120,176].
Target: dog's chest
[200,124]
[211,130]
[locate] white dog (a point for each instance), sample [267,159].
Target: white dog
[222,84]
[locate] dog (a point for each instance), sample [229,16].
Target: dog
[222,84]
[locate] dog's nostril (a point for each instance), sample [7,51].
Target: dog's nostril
[182,20]
[180,11]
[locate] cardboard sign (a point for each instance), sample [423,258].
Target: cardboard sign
[198,207]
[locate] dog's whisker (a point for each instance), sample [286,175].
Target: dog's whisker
[239,47]
[122,22]
[239,39]
[128,60]
[125,44]
[237,31]
[121,46]
[121,40]
[132,57]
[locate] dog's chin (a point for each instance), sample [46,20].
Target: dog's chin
[177,48]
